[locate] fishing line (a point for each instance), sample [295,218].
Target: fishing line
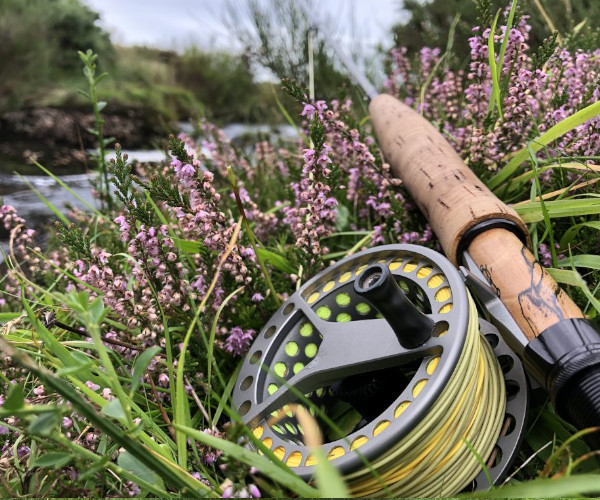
[388,344]
[433,459]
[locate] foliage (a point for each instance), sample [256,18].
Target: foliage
[43,70]
[38,38]
[429,22]
[121,351]
[277,39]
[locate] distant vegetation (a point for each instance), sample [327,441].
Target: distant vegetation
[39,40]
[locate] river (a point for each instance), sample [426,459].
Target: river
[17,180]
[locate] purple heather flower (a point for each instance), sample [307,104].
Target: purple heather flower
[239,340]
[92,386]
[253,490]
[308,110]
[257,297]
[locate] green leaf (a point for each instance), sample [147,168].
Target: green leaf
[59,215]
[45,424]
[66,187]
[532,211]
[141,365]
[15,399]
[97,311]
[9,316]
[329,480]
[100,78]
[115,410]
[187,246]
[584,260]
[54,460]
[574,230]
[84,94]
[73,369]
[546,488]
[128,462]
[267,467]
[495,95]
[573,278]
[554,133]
[277,261]
[343,218]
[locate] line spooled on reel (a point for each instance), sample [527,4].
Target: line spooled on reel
[388,344]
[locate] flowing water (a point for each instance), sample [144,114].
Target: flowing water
[17,180]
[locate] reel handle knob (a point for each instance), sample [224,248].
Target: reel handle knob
[377,285]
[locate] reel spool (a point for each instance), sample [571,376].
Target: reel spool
[387,345]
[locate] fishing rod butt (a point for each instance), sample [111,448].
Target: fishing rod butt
[565,359]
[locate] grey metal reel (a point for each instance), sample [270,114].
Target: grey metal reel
[327,348]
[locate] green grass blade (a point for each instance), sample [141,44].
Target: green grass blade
[532,211]
[574,230]
[509,24]
[227,393]
[428,82]
[173,475]
[44,200]
[545,214]
[62,184]
[495,96]
[213,334]
[329,480]
[289,119]
[244,455]
[546,138]
[546,488]
[583,260]
[573,278]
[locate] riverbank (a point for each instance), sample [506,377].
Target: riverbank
[59,138]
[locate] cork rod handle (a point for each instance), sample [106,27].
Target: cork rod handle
[454,200]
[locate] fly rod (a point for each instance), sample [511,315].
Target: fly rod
[388,351]
[558,346]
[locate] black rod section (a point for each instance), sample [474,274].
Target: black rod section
[378,286]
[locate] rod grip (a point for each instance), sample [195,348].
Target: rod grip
[532,297]
[446,191]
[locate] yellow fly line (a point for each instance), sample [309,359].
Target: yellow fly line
[433,459]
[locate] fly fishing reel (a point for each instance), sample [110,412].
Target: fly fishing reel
[410,388]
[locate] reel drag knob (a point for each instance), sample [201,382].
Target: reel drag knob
[386,345]
[378,286]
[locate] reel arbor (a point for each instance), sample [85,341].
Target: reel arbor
[387,345]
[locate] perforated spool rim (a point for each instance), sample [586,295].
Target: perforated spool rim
[289,316]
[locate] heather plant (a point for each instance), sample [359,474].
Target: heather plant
[121,340]
[517,116]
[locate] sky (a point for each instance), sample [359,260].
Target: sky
[177,24]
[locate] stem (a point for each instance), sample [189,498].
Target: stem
[94,331]
[83,333]
[250,234]
[89,59]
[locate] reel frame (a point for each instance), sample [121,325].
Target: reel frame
[289,358]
